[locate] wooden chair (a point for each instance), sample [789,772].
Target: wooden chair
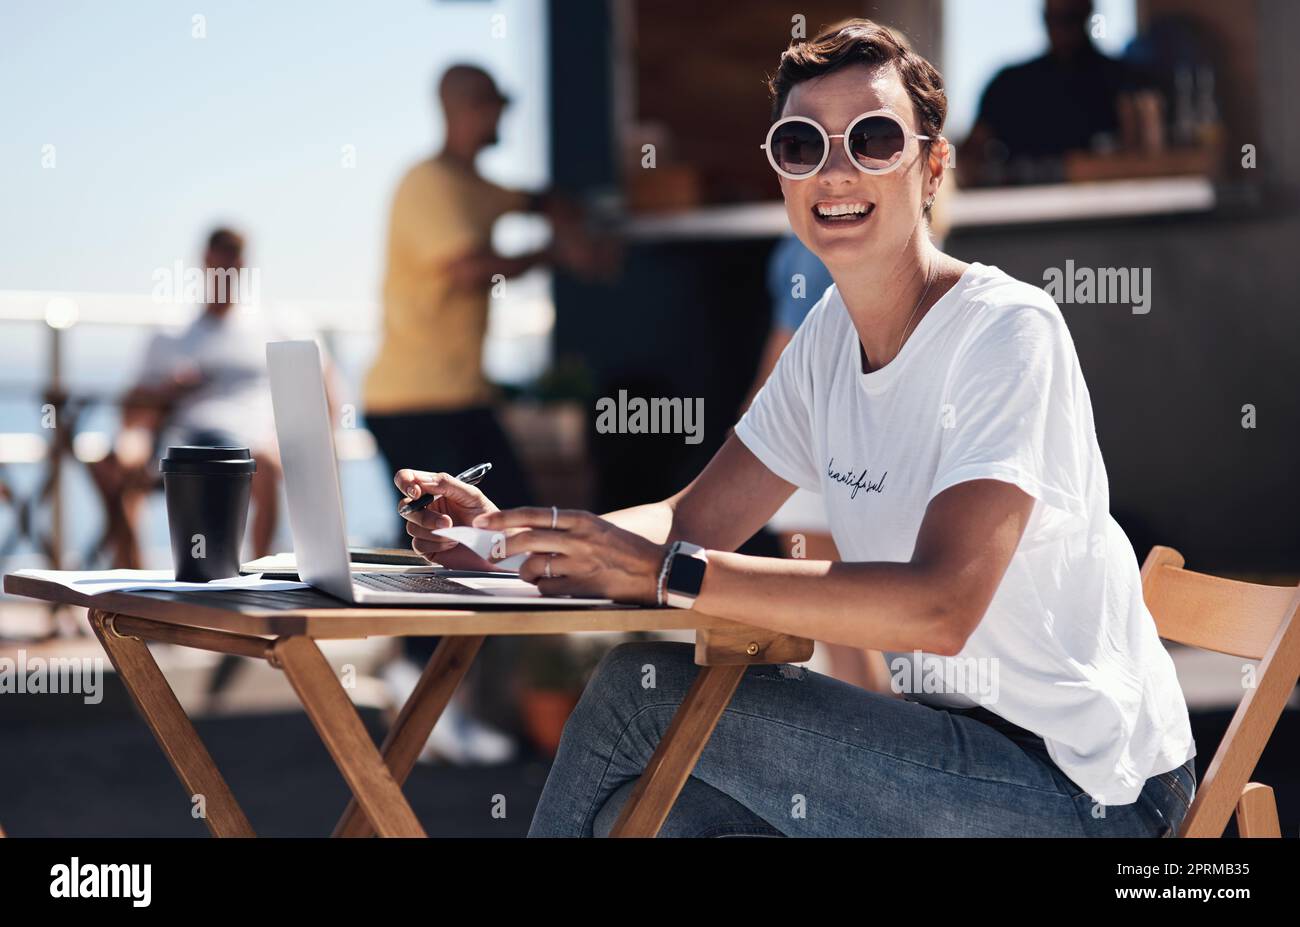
[1246,620]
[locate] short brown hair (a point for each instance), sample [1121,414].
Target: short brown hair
[861,41]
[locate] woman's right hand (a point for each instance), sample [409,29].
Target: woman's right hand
[460,505]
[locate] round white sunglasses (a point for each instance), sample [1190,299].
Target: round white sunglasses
[798,147]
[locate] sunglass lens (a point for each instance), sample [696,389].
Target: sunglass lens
[797,148]
[877,142]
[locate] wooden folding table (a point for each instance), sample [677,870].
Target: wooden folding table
[282,627]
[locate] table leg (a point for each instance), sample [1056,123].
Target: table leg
[723,657]
[160,709]
[345,737]
[443,673]
[653,795]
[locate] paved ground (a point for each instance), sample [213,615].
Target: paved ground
[108,778]
[68,772]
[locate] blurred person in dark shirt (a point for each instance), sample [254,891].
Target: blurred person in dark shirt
[1064,100]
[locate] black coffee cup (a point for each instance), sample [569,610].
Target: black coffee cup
[207,491]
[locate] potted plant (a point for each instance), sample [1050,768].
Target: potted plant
[555,671]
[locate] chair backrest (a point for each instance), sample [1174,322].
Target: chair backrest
[1242,619]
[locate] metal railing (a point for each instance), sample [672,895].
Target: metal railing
[62,406]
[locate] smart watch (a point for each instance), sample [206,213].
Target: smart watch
[685,574]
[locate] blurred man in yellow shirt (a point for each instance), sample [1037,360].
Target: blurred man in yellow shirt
[427,401]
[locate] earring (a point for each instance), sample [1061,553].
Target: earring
[929,202]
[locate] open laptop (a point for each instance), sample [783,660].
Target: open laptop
[311,477]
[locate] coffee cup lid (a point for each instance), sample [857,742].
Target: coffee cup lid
[216,461]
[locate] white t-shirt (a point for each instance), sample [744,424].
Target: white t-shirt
[803,511]
[229,354]
[988,386]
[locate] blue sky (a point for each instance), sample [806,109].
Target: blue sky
[158,134]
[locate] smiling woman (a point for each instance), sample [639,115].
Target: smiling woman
[939,410]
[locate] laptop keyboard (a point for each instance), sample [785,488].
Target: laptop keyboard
[413,582]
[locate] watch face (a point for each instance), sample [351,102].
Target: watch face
[686,575]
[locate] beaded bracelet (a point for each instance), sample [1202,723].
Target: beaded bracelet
[663,572]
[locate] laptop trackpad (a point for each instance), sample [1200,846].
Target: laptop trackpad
[499,585]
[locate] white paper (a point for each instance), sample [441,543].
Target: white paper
[97,582]
[500,585]
[480,541]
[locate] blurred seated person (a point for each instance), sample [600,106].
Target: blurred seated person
[1032,114]
[206,385]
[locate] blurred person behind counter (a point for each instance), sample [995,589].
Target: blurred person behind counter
[1071,98]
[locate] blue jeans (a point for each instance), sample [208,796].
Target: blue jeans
[797,753]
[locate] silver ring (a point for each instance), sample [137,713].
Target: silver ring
[547,571]
[555,518]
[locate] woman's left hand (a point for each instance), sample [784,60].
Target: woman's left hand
[586,555]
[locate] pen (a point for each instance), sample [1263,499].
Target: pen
[473,476]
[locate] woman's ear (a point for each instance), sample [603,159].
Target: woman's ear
[949,153]
[942,156]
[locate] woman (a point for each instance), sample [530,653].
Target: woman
[939,409]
